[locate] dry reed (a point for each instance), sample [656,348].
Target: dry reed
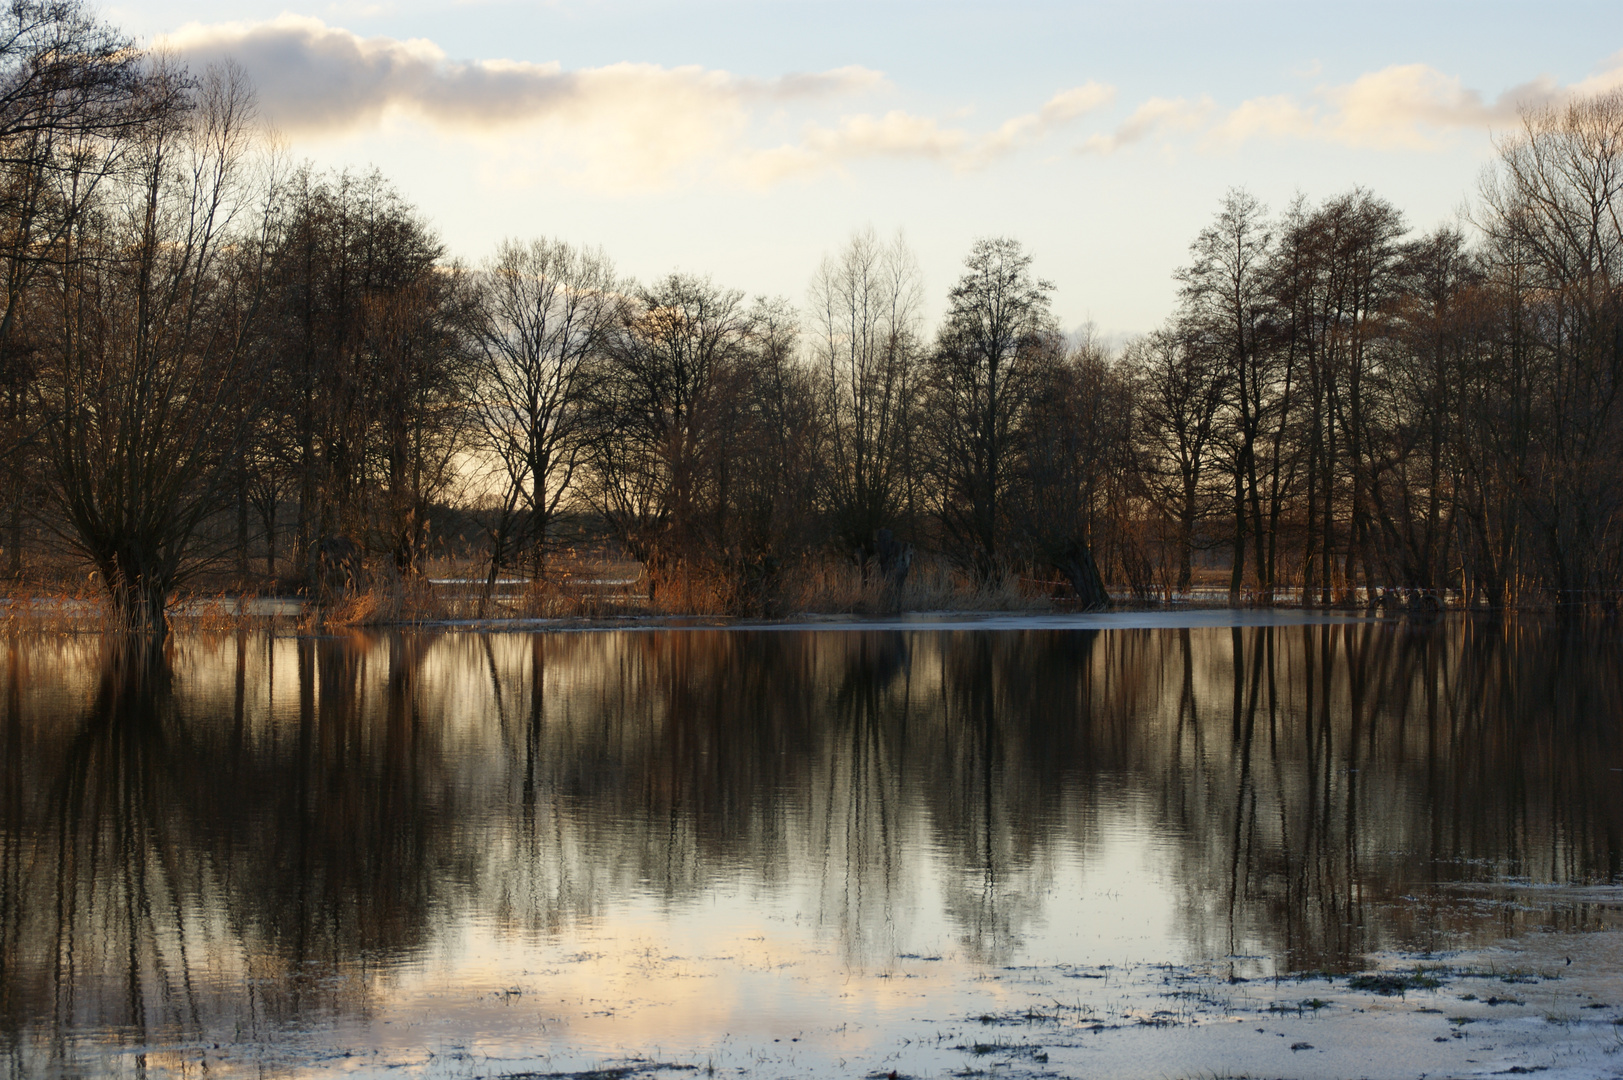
[570,593]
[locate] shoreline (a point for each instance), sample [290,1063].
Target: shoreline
[288,616]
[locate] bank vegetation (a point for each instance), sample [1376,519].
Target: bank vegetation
[222,373]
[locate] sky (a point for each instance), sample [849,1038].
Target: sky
[749,140]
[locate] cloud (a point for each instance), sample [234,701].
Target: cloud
[899,134]
[1061,109]
[634,126]
[1402,107]
[313,77]
[1609,78]
[627,126]
[1406,106]
[1155,116]
[896,134]
[1275,117]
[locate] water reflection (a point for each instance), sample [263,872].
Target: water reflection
[246,834]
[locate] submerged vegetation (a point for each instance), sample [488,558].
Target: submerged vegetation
[220,372]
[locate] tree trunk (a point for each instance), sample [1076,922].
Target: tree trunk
[1075,561]
[1237,570]
[242,532]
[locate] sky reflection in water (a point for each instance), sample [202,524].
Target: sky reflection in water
[572,840]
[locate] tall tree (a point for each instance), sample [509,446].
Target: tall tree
[544,317]
[1180,387]
[867,351]
[1554,202]
[1072,450]
[998,331]
[673,370]
[365,321]
[73,92]
[147,379]
[1225,307]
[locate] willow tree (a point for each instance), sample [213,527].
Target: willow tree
[146,381]
[72,93]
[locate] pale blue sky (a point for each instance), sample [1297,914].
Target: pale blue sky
[681,135]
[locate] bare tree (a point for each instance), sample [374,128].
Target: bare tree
[72,93]
[1070,447]
[1554,207]
[367,329]
[777,455]
[143,394]
[673,371]
[1180,388]
[417,360]
[867,355]
[544,316]
[998,331]
[1224,304]
[1351,244]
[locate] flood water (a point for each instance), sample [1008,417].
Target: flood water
[443,852]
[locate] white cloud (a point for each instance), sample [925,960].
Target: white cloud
[1061,109]
[1610,77]
[1276,117]
[896,134]
[626,126]
[899,134]
[1406,106]
[1156,116]
[315,77]
[631,126]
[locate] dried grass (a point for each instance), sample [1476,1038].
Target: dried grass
[571,592]
[77,611]
[933,585]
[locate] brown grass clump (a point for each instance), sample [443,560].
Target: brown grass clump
[55,612]
[932,585]
[372,607]
[936,586]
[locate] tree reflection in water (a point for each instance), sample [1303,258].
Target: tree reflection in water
[245,834]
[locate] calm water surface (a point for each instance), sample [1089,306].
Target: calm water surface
[561,846]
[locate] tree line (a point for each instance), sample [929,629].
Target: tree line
[210,358]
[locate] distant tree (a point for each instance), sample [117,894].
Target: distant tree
[1416,482]
[544,316]
[1224,308]
[367,326]
[1069,453]
[867,359]
[998,333]
[417,356]
[673,372]
[1553,210]
[777,458]
[1179,389]
[1350,245]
